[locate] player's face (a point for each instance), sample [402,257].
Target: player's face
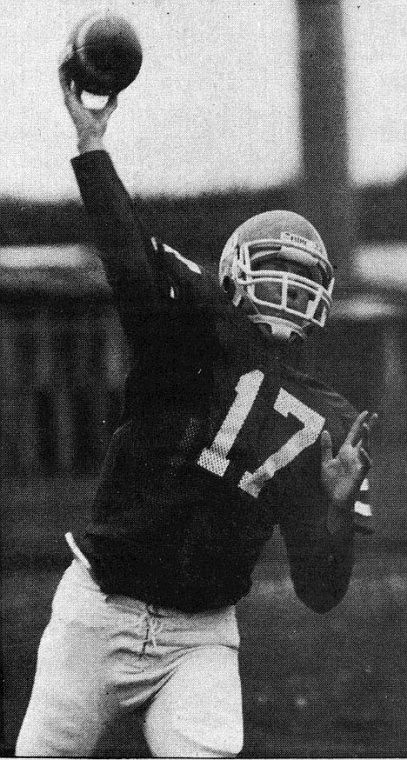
[297,297]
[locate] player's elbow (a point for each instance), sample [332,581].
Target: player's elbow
[319,598]
[322,604]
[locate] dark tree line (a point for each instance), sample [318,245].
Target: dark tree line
[199,222]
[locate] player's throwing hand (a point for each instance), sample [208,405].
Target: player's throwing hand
[343,475]
[90,124]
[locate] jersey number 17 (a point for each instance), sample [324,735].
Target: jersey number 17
[215,458]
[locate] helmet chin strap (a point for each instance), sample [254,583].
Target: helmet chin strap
[276,328]
[273,327]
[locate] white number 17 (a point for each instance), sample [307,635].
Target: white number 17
[215,459]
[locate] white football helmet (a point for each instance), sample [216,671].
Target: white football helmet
[251,257]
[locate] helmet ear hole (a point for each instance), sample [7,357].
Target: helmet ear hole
[229,286]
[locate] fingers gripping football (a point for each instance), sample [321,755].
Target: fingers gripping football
[90,124]
[343,474]
[72,98]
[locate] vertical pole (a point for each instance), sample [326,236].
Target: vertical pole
[324,195]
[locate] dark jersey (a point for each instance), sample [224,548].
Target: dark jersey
[219,439]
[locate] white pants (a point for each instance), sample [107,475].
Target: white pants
[101,655]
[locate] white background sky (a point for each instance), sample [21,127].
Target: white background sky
[215,104]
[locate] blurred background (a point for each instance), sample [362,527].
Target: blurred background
[239,107]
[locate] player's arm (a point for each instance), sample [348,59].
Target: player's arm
[320,546]
[123,246]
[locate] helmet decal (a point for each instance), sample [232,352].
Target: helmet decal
[309,245]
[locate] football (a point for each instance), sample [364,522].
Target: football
[104,55]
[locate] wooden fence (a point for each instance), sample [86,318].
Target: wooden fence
[61,374]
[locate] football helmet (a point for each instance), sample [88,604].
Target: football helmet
[260,252]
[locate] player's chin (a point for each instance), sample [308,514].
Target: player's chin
[294,318]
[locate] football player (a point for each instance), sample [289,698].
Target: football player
[222,437]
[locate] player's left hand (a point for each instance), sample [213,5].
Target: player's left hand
[343,475]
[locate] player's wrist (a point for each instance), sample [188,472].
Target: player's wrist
[89,142]
[339,517]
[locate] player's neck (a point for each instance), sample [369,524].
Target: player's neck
[289,352]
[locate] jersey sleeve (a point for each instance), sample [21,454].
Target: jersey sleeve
[320,563]
[145,275]
[122,244]
[363,519]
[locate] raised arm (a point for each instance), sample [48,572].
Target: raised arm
[126,251]
[320,546]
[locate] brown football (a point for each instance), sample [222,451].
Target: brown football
[105,55]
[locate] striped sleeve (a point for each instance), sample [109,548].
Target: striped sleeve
[363,515]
